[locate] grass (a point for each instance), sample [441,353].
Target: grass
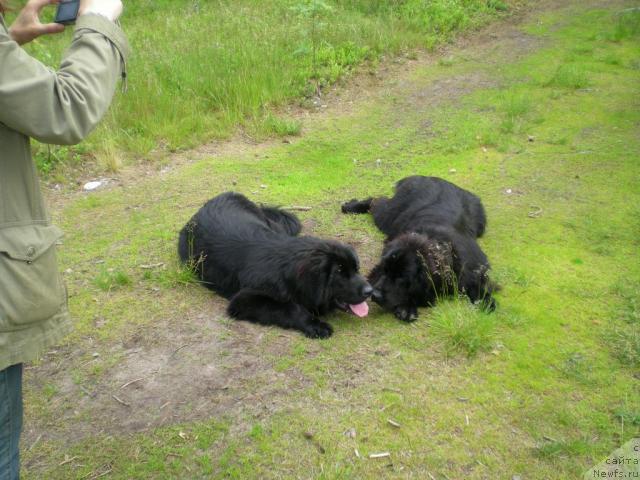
[543,388]
[109,279]
[463,327]
[627,25]
[563,449]
[514,106]
[280,126]
[202,69]
[625,337]
[569,76]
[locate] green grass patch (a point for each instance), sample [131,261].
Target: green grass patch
[108,279]
[563,449]
[514,106]
[624,334]
[627,25]
[282,126]
[570,76]
[625,341]
[463,327]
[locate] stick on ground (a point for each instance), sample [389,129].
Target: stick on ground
[122,402]
[380,455]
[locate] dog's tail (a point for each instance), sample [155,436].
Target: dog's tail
[357,206]
[282,221]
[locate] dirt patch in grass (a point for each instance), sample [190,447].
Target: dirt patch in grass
[445,90]
[200,366]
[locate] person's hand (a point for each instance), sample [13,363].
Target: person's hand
[107,8]
[27,24]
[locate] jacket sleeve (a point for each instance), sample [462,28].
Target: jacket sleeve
[62,107]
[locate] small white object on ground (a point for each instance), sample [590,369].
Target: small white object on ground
[380,455]
[92,185]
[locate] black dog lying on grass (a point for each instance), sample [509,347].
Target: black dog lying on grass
[431,249]
[253,256]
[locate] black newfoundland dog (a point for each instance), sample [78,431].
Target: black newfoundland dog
[431,249]
[252,256]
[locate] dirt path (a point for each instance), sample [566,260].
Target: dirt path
[203,366]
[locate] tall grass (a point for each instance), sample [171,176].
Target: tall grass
[200,69]
[463,327]
[515,106]
[569,76]
[624,335]
[627,25]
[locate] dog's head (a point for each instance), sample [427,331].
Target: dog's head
[413,270]
[329,275]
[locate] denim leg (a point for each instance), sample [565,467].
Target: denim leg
[10,421]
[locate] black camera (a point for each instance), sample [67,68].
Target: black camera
[67,12]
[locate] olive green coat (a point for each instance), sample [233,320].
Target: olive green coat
[52,107]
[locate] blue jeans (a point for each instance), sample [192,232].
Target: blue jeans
[10,421]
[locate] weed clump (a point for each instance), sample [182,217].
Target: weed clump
[626,26]
[625,333]
[569,76]
[108,279]
[463,327]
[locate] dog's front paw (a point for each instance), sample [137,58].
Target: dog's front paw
[488,304]
[350,206]
[318,330]
[406,314]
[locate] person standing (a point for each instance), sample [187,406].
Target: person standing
[57,107]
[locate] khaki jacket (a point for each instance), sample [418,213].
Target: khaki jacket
[52,107]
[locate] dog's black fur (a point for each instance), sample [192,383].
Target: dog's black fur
[431,249]
[252,256]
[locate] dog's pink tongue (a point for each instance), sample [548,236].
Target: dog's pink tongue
[361,309]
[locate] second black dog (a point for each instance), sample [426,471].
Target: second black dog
[431,249]
[253,256]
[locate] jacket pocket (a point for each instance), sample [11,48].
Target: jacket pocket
[31,288]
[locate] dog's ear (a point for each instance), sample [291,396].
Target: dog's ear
[392,255]
[393,260]
[314,264]
[314,275]
[316,269]
[392,252]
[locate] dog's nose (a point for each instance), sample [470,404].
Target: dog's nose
[367,290]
